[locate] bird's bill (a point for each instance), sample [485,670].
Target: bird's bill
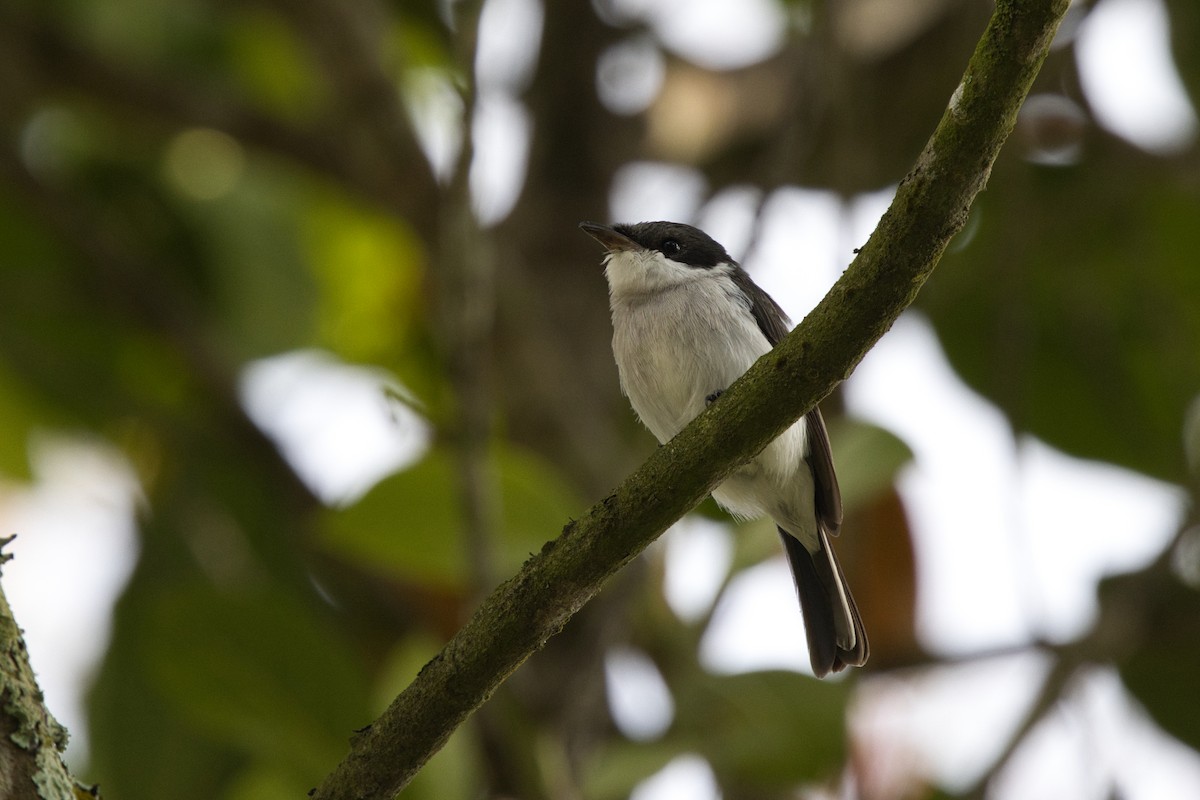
[612,240]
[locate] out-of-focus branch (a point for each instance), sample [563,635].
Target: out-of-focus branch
[466,280]
[1125,615]
[930,207]
[46,55]
[1066,666]
[392,172]
[374,136]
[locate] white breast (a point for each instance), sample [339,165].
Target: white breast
[679,344]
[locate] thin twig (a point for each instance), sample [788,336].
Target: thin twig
[466,281]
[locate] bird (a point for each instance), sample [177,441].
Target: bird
[687,322]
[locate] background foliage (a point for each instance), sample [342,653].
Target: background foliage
[189,187]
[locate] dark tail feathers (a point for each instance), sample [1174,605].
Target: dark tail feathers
[836,638]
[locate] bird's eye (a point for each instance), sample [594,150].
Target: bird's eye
[670,248]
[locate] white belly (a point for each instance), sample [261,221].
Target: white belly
[671,359]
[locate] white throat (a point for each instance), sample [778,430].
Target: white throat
[633,273]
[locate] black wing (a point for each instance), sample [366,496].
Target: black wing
[773,322]
[770,317]
[828,498]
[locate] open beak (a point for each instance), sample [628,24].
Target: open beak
[611,239]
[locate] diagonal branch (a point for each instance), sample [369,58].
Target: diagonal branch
[930,207]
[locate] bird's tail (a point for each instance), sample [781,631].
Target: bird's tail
[836,638]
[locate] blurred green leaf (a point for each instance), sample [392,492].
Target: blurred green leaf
[940,793]
[264,782]
[144,30]
[1184,26]
[258,671]
[754,541]
[368,267]
[267,58]
[267,298]
[1164,670]
[867,458]
[617,768]
[69,361]
[408,524]
[536,502]
[763,729]
[400,667]
[21,414]
[422,45]
[1073,307]
[411,523]
[141,748]
[1158,677]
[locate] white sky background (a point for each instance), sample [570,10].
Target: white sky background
[1011,536]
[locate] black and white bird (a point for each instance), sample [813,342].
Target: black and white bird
[687,322]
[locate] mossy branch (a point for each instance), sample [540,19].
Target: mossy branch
[31,740]
[930,207]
